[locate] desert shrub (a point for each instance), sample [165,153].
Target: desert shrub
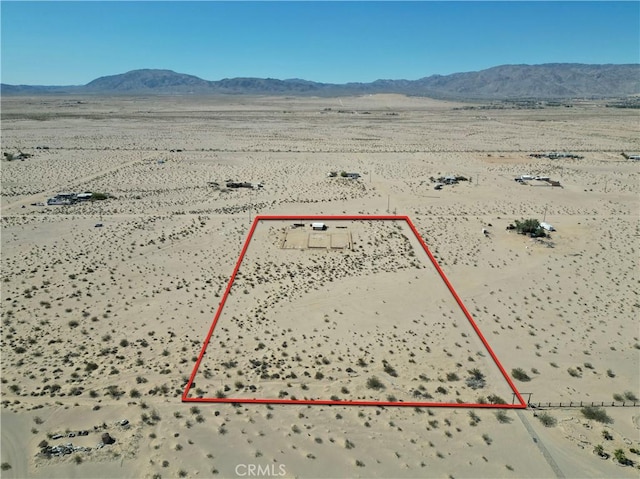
[495,399]
[574,373]
[475,419]
[597,414]
[374,383]
[476,379]
[90,366]
[547,419]
[629,396]
[621,457]
[502,417]
[114,391]
[452,377]
[134,393]
[520,374]
[531,227]
[390,370]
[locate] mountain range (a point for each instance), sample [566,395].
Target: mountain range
[546,81]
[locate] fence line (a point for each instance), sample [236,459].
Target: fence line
[543,404]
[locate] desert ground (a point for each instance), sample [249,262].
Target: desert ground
[102,326]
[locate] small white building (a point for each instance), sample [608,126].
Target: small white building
[547,226]
[318,226]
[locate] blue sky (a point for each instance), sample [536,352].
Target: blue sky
[70,43]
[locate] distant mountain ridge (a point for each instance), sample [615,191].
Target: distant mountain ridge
[551,80]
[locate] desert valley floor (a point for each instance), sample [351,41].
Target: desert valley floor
[106,303]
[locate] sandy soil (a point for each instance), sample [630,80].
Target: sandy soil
[101,326]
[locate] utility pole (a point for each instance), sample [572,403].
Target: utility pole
[544,218]
[388,200]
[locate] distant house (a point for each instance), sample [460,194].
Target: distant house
[318,226]
[547,226]
[56,200]
[450,180]
[352,176]
[634,157]
[237,184]
[66,196]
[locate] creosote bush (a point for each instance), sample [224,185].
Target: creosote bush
[502,417]
[597,414]
[374,383]
[531,227]
[520,374]
[547,419]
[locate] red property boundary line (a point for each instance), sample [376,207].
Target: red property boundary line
[522,404]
